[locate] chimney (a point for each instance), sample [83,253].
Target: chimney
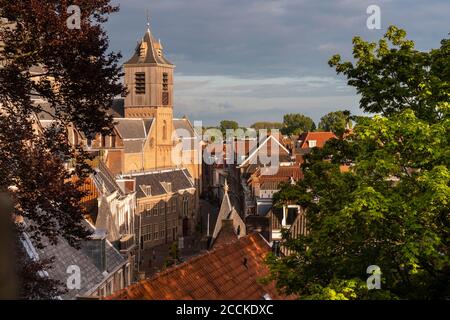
[95,248]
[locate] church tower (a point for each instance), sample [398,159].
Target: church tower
[149,80]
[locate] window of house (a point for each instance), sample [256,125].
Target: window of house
[155,210]
[121,279]
[312,143]
[109,287]
[174,205]
[162,230]
[148,190]
[155,232]
[127,275]
[147,232]
[162,208]
[185,206]
[140,82]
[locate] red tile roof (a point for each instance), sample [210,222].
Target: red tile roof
[229,272]
[320,137]
[284,174]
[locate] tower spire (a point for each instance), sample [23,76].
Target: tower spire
[225,186]
[148,19]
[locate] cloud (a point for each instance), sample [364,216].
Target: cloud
[250,54]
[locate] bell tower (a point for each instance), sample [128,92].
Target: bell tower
[149,80]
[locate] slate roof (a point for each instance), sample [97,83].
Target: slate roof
[131,128]
[151,56]
[180,179]
[229,272]
[105,180]
[117,110]
[183,124]
[65,256]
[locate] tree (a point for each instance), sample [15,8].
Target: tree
[173,256]
[266,125]
[228,125]
[392,75]
[78,79]
[336,122]
[296,124]
[391,209]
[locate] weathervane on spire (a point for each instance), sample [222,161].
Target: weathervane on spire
[148,19]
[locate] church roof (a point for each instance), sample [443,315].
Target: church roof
[185,125]
[131,128]
[151,55]
[227,217]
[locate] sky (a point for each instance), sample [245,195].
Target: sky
[256,60]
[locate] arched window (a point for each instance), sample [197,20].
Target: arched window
[164,130]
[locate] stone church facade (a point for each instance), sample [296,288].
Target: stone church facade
[140,151]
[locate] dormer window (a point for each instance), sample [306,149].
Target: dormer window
[312,143]
[143,49]
[140,82]
[167,186]
[147,190]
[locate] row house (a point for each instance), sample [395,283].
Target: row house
[166,206]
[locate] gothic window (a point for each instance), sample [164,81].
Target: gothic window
[165,93]
[164,130]
[140,82]
[185,206]
[113,140]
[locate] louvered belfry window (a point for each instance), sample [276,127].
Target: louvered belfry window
[165,93]
[140,82]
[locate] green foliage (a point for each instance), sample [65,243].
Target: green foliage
[228,124]
[296,124]
[391,209]
[173,256]
[392,75]
[266,125]
[335,122]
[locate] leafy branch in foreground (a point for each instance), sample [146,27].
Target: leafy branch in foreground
[392,208]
